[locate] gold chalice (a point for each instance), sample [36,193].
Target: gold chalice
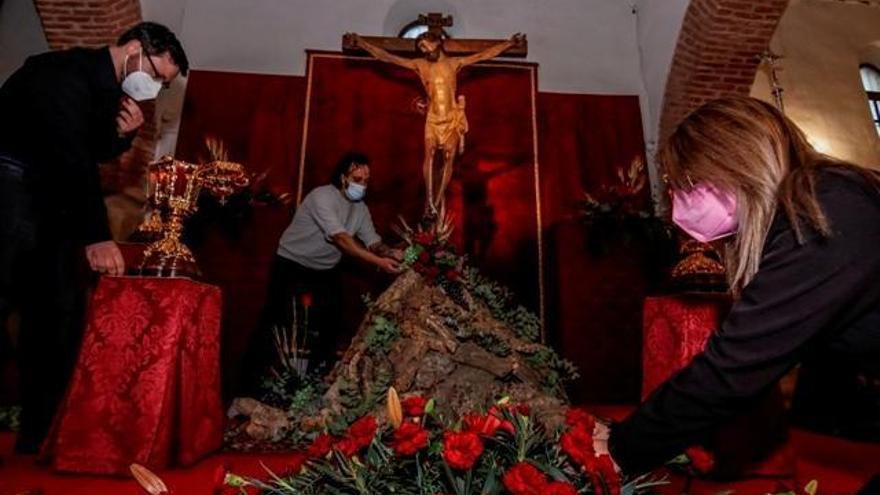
[176,186]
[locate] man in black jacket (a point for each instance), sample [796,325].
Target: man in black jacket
[61,114]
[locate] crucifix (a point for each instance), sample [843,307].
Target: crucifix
[441,60]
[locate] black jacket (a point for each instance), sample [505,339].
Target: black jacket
[818,298]
[58,118]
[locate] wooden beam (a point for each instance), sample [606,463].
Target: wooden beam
[455,47]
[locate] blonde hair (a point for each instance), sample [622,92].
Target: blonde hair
[747,146]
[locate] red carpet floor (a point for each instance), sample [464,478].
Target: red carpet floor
[841,467]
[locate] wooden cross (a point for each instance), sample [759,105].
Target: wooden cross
[452,46]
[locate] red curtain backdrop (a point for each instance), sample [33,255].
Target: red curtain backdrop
[259,118]
[593,304]
[594,301]
[368,105]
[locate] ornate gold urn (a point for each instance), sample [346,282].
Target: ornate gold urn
[175,186]
[700,269]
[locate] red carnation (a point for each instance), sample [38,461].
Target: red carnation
[358,436]
[603,475]
[577,443]
[461,450]
[503,424]
[409,439]
[702,460]
[486,425]
[525,479]
[348,446]
[559,488]
[425,257]
[424,238]
[579,417]
[414,406]
[320,446]
[306,299]
[363,428]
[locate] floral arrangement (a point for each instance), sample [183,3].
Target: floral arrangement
[414,451]
[433,258]
[621,199]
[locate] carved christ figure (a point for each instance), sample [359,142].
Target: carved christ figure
[446,123]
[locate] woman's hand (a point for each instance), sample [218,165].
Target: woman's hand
[601,433]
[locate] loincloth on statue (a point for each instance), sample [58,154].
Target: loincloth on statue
[448,130]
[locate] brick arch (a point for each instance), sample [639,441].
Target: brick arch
[91,23]
[716,53]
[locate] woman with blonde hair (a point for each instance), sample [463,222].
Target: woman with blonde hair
[803,250]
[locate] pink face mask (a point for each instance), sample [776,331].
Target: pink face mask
[704,212]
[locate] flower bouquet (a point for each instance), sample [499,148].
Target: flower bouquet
[413,450]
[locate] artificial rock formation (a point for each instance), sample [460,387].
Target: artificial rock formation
[441,342]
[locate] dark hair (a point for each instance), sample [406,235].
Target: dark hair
[343,166]
[157,39]
[430,36]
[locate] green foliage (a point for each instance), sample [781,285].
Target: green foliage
[557,370]
[525,324]
[493,344]
[283,389]
[368,300]
[358,403]
[411,255]
[378,469]
[10,418]
[381,334]
[499,300]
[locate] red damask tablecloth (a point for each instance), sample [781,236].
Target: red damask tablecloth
[676,329]
[146,387]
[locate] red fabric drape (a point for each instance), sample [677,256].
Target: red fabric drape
[259,117]
[146,387]
[368,105]
[676,330]
[593,303]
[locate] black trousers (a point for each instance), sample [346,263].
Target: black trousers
[38,279]
[288,283]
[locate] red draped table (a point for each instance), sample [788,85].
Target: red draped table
[676,329]
[146,387]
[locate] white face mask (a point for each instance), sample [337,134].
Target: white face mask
[355,191]
[139,85]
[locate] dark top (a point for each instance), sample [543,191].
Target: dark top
[821,297]
[58,118]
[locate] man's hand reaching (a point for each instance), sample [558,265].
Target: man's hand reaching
[106,258]
[388,265]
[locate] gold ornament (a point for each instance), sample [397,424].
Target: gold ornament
[175,189]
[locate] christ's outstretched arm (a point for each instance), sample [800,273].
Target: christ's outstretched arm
[492,51]
[382,54]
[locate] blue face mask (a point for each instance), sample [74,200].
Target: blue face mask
[355,191]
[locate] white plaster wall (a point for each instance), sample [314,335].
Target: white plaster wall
[658,24]
[583,46]
[21,35]
[823,44]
